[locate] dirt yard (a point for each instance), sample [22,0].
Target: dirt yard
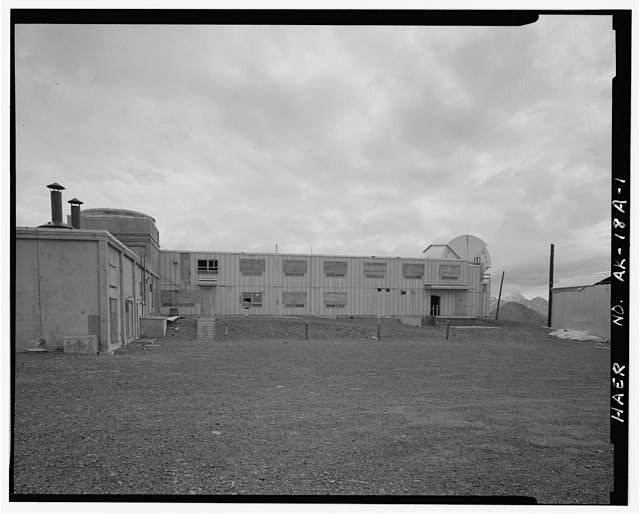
[498,411]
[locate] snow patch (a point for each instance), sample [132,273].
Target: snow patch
[574,334]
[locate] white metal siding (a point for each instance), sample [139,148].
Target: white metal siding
[586,308]
[363,297]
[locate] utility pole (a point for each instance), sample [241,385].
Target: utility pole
[550,286]
[499,296]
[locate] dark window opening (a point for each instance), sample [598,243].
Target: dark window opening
[251,299]
[207,266]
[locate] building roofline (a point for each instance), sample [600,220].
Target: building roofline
[291,255]
[78,235]
[442,245]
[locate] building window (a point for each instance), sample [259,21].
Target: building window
[294,267]
[449,272]
[375,270]
[335,268]
[251,299]
[207,266]
[335,299]
[412,270]
[294,299]
[251,266]
[113,276]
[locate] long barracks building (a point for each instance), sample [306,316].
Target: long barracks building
[223,283]
[96,276]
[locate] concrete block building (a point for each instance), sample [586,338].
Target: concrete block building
[77,282]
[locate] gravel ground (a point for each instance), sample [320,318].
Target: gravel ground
[504,411]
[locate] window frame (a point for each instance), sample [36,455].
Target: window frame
[404,274]
[449,266]
[337,264]
[210,266]
[295,304]
[290,262]
[251,295]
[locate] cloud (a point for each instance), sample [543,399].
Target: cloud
[356,140]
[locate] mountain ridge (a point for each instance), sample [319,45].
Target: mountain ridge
[537,304]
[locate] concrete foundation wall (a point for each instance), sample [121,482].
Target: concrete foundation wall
[80,344]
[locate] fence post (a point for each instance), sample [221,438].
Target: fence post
[226,329]
[378,329]
[447,337]
[306,331]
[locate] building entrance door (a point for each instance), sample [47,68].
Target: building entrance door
[206,301]
[435,305]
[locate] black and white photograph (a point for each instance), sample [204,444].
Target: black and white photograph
[289,256]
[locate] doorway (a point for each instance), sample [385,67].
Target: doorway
[113,322]
[435,306]
[382,302]
[207,301]
[128,316]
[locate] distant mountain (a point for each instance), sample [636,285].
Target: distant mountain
[537,304]
[540,305]
[516,312]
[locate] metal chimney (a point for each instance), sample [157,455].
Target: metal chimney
[56,203]
[75,212]
[56,208]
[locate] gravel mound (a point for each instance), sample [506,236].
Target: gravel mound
[516,312]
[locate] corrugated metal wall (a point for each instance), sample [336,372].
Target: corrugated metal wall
[388,293]
[586,308]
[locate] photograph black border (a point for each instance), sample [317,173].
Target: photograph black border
[620,209]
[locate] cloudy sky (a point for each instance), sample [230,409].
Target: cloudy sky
[347,140]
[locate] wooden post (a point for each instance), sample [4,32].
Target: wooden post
[499,296]
[226,329]
[378,329]
[306,331]
[550,285]
[447,336]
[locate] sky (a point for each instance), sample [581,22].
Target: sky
[337,140]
